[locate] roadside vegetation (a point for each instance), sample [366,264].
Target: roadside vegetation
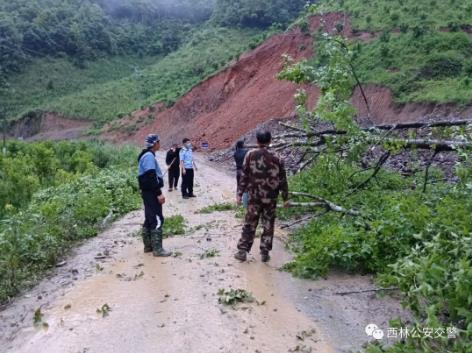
[100,93]
[218,207]
[53,195]
[412,230]
[101,60]
[174,225]
[420,49]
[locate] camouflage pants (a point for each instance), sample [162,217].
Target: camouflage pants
[266,213]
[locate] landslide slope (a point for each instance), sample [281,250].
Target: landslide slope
[247,93]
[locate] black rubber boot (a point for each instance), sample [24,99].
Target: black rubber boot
[265,257]
[241,255]
[157,249]
[146,234]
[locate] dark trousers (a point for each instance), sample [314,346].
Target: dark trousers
[187,182]
[265,212]
[239,173]
[153,218]
[174,175]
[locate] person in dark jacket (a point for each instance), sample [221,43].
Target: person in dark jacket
[151,182]
[173,166]
[239,155]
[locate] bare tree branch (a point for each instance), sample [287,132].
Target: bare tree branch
[421,125]
[321,203]
[426,172]
[366,291]
[382,160]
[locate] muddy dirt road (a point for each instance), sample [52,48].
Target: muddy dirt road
[171,305]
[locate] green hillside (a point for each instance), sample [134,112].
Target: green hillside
[422,49]
[99,60]
[108,88]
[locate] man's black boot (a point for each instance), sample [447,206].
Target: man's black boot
[158,250]
[265,257]
[241,255]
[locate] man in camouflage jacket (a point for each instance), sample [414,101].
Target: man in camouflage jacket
[263,177]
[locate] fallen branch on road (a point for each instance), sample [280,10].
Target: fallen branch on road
[321,202]
[366,291]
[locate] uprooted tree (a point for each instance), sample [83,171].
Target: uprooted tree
[408,222]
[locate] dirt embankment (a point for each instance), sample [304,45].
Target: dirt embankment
[246,94]
[385,111]
[236,100]
[48,126]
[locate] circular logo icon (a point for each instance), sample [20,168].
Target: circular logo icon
[370,328]
[378,334]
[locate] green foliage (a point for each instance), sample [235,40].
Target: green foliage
[420,51]
[33,239]
[218,207]
[26,168]
[379,15]
[234,296]
[104,310]
[53,195]
[209,253]
[436,278]
[256,13]
[174,225]
[419,240]
[428,69]
[108,88]
[87,30]
[28,88]
[331,71]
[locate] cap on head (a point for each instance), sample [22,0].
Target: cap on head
[264,137]
[151,140]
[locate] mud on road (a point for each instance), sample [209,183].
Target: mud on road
[170,305]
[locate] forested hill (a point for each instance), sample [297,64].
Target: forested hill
[89,29]
[107,40]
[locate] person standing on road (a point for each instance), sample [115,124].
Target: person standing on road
[151,182]
[173,166]
[187,166]
[239,155]
[263,177]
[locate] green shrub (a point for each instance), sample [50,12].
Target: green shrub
[218,208]
[441,65]
[33,239]
[174,225]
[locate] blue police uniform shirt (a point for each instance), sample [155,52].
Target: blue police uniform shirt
[149,162]
[186,156]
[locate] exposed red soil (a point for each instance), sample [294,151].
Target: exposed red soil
[49,126]
[234,101]
[229,104]
[385,111]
